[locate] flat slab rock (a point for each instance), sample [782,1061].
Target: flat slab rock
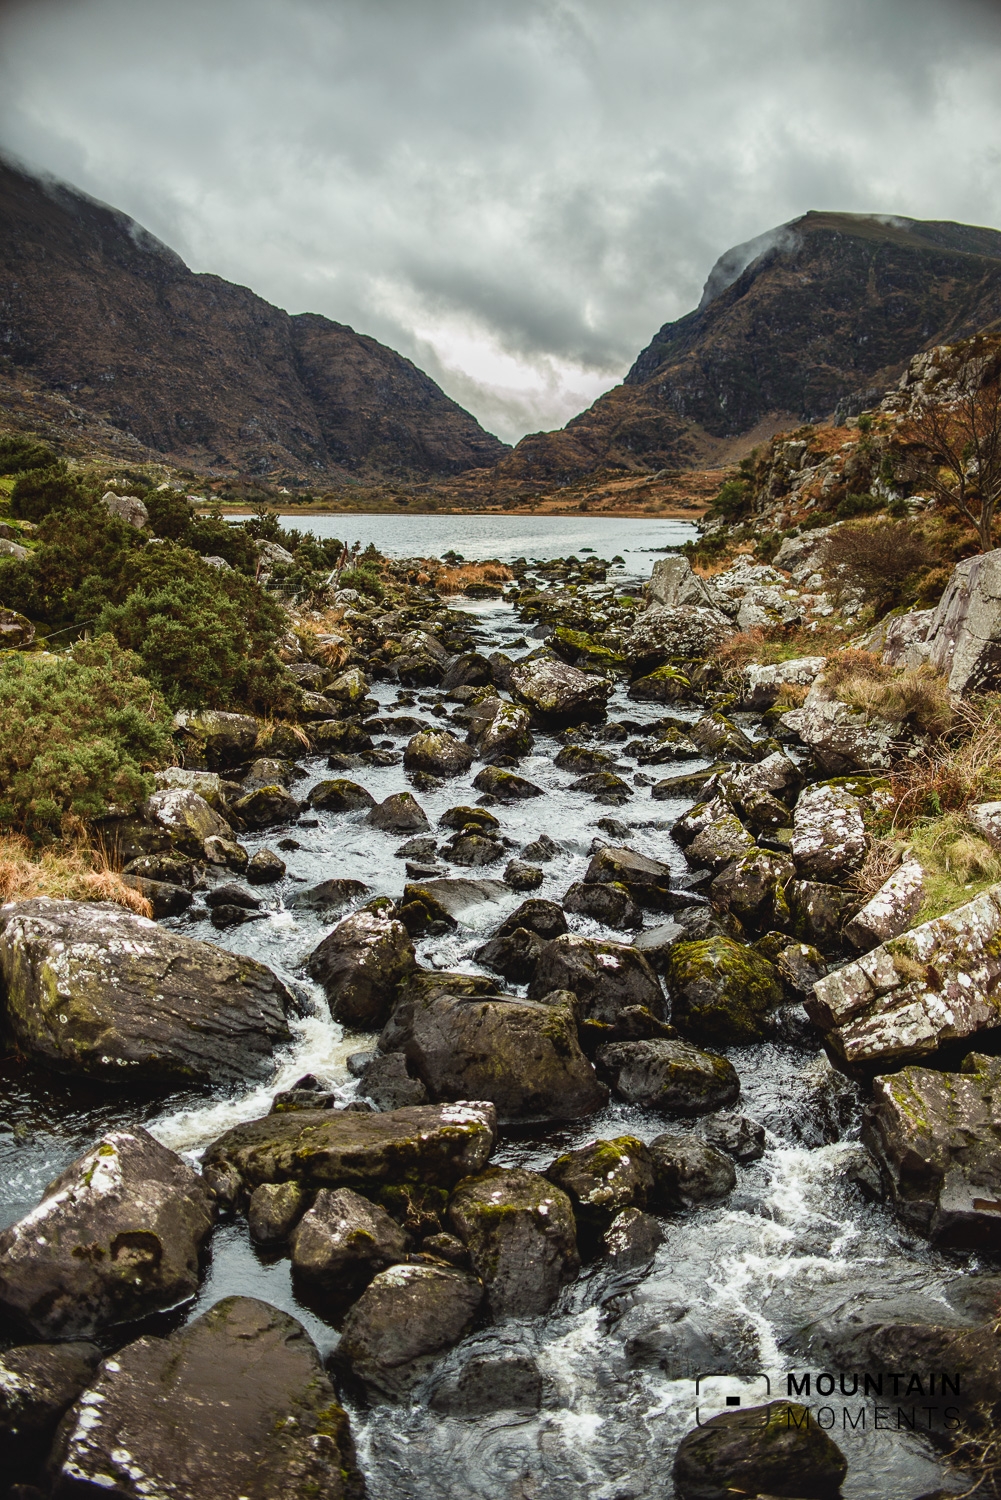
[234,1406]
[95,990]
[937,983]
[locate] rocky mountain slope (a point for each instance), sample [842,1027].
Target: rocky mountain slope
[92,306]
[826,310]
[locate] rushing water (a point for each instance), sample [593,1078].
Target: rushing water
[731,1286]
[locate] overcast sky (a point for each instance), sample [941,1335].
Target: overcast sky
[515,194]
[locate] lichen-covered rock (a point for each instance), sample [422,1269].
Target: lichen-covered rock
[986,819]
[718,737]
[722,993]
[750,888]
[719,843]
[187,817]
[37,1384]
[95,990]
[739,1137]
[438,753]
[405,1318]
[350,686]
[344,737]
[400,813]
[521,1055]
[468,670]
[937,983]
[687,1171]
[777,775]
[343,1241]
[604,1178]
[387,1081]
[841,739]
[505,731]
[506,786]
[605,787]
[605,976]
[935,1135]
[117,1235]
[672,582]
[762,683]
[521,876]
[560,694]
[215,739]
[963,639]
[340,795]
[828,839]
[520,1234]
[234,1404]
[763,1450]
[611,904]
[274,1210]
[632,1239]
[800,965]
[891,910]
[646,879]
[360,965]
[378,1154]
[680,632]
[815,912]
[665,684]
[672,1076]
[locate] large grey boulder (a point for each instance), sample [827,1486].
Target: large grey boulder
[828,837]
[937,983]
[116,1236]
[500,730]
[187,817]
[405,1318]
[722,992]
[360,965]
[93,989]
[522,1241]
[842,739]
[688,1171]
[560,694]
[216,739]
[671,1076]
[764,1450]
[682,632]
[904,638]
[891,910]
[964,637]
[437,752]
[673,582]
[233,1405]
[647,880]
[761,684]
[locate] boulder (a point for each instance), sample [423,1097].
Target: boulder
[671,1076]
[505,733]
[612,904]
[606,977]
[739,1137]
[16,630]
[488,1383]
[935,1135]
[350,687]
[438,753]
[762,684]
[543,917]
[828,839]
[604,1178]
[506,786]
[963,639]
[342,1242]
[605,787]
[263,772]
[688,1171]
[647,880]
[265,867]
[680,632]
[360,965]
[751,888]
[520,1234]
[814,912]
[672,582]
[841,739]
[187,818]
[116,1236]
[763,1450]
[388,1083]
[521,1055]
[665,684]
[904,638]
[719,738]
[37,1384]
[583,758]
[233,1404]
[341,738]
[514,955]
[328,896]
[405,1318]
[426,1146]
[632,1239]
[473,850]
[339,795]
[560,694]
[165,900]
[800,966]
[891,910]
[400,813]
[719,843]
[469,819]
[937,983]
[459,898]
[274,1210]
[469,670]
[776,774]
[722,993]
[94,990]
[209,785]
[215,739]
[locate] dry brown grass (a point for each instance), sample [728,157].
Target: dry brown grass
[917,696]
[457,580]
[882,858]
[67,872]
[966,769]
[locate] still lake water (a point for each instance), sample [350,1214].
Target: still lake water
[504,537]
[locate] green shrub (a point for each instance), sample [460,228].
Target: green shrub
[171,517]
[18,453]
[39,492]
[857,505]
[733,500]
[365,580]
[82,732]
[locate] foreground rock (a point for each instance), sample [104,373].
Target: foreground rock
[605,977]
[404,1319]
[935,1135]
[520,1233]
[828,840]
[116,1236]
[560,694]
[361,965]
[765,1451]
[603,1179]
[891,910]
[426,1145]
[37,1384]
[937,983]
[94,990]
[963,638]
[235,1404]
[343,1241]
[688,1171]
[670,1076]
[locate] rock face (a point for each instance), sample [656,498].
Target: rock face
[361,965]
[936,1137]
[234,1404]
[343,1241]
[722,992]
[670,1076]
[936,983]
[560,694]
[764,1450]
[963,638]
[405,1318]
[522,1056]
[605,977]
[93,989]
[520,1233]
[828,839]
[116,1236]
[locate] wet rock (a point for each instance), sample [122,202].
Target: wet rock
[800,966]
[688,1171]
[360,965]
[506,786]
[655,943]
[350,687]
[750,888]
[400,813]
[236,1403]
[717,736]
[816,913]
[514,956]
[267,772]
[437,752]
[685,785]
[267,806]
[762,684]
[765,1450]
[168,869]
[187,818]
[583,758]
[606,977]
[165,900]
[342,1242]
[632,1239]
[489,1383]
[469,670]
[446,1247]
[37,1384]
[647,880]
[543,917]
[117,1235]
[420,849]
[388,1083]
[227,853]
[96,991]
[722,994]
[541,850]
[891,910]
[829,839]
[558,693]
[429,1145]
[521,1055]
[612,905]
[671,1076]
[468,819]
[215,739]
[328,896]
[683,632]
[522,877]
[664,685]
[739,1137]
[232,894]
[274,1210]
[936,983]
[339,795]
[604,1178]
[604,787]
[719,843]
[343,738]
[472,850]
[403,1320]
[456,897]
[520,1234]
[265,867]
[505,733]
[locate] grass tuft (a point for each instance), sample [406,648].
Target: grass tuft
[65,872]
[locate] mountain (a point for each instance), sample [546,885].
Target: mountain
[94,307]
[825,310]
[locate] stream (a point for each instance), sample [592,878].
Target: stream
[730,1286]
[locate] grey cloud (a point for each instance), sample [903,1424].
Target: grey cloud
[516,196]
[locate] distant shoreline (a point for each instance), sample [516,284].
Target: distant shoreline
[401,510]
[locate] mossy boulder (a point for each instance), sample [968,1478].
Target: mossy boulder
[582,650]
[514,956]
[342,1242]
[722,992]
[611,904]
[402,1322]
[764,1450]
[718,736]
[521,1237]
[187,818]
[216,740]
[437,752]
[665,685]
[719,843]
[560,694]
[360,965]
[604,1178]
[350,687]
[340,795]
[267,806]
[669,1075]
[400,813]
[501,730]
[647,880]
[752,888]
[506,786]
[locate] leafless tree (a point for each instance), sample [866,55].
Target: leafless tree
[960,444]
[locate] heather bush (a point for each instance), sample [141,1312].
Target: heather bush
[885,560]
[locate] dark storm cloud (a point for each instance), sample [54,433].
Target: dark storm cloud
[515,194]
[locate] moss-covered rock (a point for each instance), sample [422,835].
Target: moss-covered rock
[361,965]
[267,806]
[719,843]
[340,795]
[665,685]
[775,1450]
[668,1075]
[505,732]
[406,1318]
[722,992]
[521,1237]
[583,650]
[718,736]
[751,888]
[342,1242]
[437,752]
[647,880]
[400,813]
[506,786]
[604,1178]
[560,694]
